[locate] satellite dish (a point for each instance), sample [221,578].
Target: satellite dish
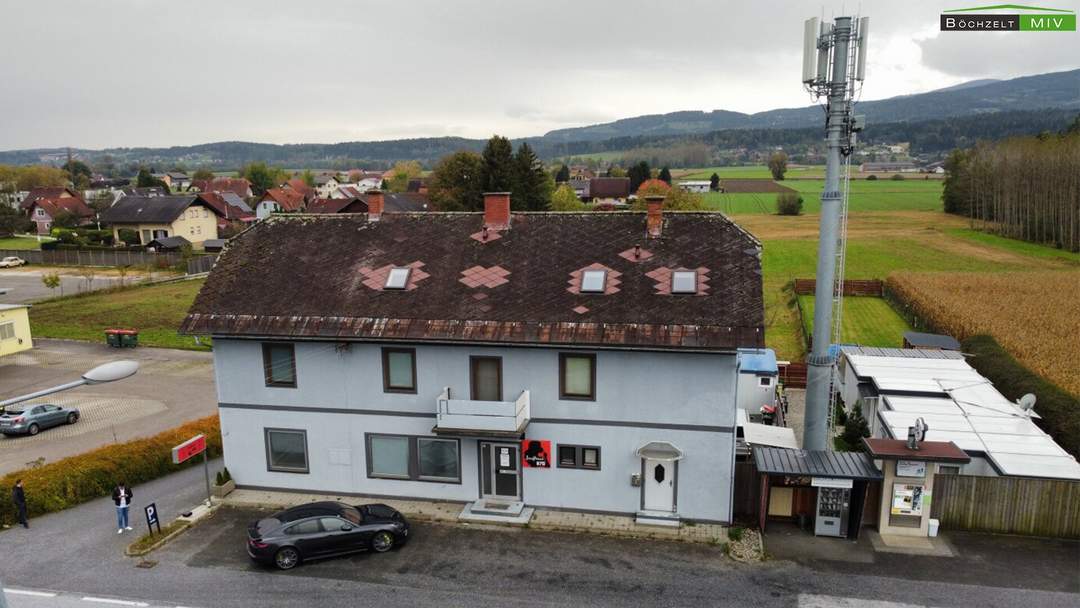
[1026,402]
[920,429]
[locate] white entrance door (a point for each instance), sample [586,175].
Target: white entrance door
[659,484]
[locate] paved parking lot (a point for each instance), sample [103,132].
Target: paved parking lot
[171,387]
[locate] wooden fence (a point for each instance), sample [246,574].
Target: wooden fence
[1008,505]
[793,375]
[747,493]
[867,287]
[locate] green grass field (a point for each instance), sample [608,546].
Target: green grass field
[881,195]
[155,310]
[19,242]
[867,321]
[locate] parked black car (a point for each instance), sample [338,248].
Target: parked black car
[324,529]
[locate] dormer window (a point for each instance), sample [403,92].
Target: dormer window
[593,281]
[397,279]
[684,281]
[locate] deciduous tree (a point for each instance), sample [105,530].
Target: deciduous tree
[565,199]
[778,165]
[457,182]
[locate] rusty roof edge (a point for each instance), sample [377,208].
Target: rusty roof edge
[528,333]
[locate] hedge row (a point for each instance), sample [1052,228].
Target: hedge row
[1059,411]
[78,479]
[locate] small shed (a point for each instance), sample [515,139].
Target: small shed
[827,488]
[758,373]
[167,243]
[915,339]
[213,245]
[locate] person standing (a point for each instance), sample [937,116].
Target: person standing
[18,496]
[121,495]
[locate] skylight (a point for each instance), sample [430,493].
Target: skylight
[592,281]
[684,281]
[397,279]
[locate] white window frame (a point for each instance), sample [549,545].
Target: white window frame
[682,289]
[9,326]
[402,280]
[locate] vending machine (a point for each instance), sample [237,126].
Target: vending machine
[833,506]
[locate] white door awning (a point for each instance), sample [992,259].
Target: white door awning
[660,450]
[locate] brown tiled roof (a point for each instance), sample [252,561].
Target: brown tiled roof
[36,193]
[518,286]
[609,187]
[69,204]
[225,210]
[298,185]
[290,200]
[932,451]
[237,185]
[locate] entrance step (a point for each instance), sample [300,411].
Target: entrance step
[657,518]
[497,512]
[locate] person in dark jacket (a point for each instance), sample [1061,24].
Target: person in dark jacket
[19,498]
[121,495]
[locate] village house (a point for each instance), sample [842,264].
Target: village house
[187,216]
[14,329]
[44,205]
[609,190]
[511,361]
[237,185]
[280,200]
[326,185]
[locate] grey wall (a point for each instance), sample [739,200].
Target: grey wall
[635,390]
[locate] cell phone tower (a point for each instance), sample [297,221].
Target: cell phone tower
[834,64]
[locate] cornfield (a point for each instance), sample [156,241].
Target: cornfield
[1033,315]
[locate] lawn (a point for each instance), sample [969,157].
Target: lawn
[868,321]
[155,310]
[881,195]
[20,242]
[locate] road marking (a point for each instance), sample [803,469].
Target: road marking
[807,600]
[105,600]
[28,592]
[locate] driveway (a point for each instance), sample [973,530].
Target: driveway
[77,553]
[24,284]
[171,387]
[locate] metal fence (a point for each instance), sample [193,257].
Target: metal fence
[1008,505]
[110,258]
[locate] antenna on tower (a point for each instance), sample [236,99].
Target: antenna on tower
[834,75]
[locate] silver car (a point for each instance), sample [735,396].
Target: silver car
[31,419]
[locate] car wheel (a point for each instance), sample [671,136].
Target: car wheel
[33,429]
[382,542]
[286,558]
[73,418]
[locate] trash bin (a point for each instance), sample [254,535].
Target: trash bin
[129,338]
[112,338]
[932,529]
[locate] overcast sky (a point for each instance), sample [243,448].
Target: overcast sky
[158,73]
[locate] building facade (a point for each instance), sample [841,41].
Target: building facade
[470,357]
[14,329]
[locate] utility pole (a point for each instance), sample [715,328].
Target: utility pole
[834,80]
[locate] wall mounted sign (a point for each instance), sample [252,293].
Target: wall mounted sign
[536,453]
[907,499]
[910,468]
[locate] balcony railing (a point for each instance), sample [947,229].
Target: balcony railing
[508,417]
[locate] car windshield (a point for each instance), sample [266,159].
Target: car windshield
[13,411]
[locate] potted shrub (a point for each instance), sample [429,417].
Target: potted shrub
[223,484]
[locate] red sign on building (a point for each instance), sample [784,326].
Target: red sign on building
[191,447]
[536,453]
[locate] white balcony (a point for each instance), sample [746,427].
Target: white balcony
[482,418]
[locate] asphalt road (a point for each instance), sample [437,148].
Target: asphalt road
[171,387]
[77,553]
[24,284]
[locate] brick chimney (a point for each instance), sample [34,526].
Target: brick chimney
[374,204]
[654,216]
[497,210]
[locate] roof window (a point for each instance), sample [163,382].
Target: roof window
[397,279]
[684,281]
[593,281]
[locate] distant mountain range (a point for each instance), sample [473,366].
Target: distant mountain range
[1022,99]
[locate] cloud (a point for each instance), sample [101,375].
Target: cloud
[159,73]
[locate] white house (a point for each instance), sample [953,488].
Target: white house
[696,186]
[573,361]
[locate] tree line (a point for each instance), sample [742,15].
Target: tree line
[460,179]
[1023,187]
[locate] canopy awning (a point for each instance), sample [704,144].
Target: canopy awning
[660,450]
